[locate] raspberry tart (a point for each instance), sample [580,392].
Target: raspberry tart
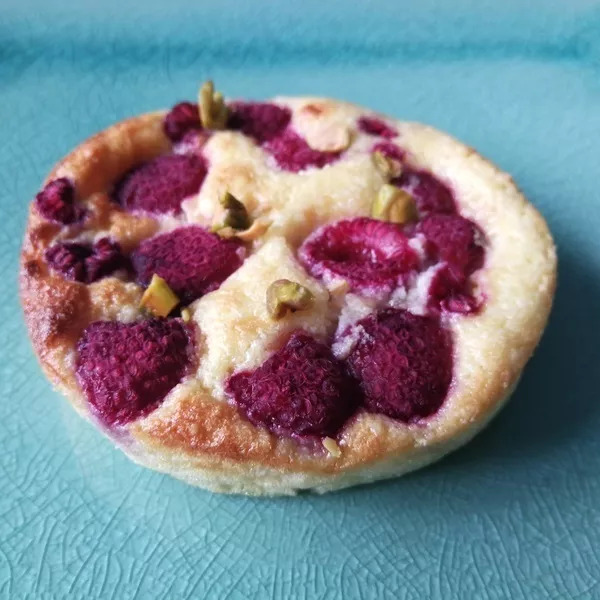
[268,297]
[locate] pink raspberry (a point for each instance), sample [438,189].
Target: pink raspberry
[259,120]
[431,195]
[403,363]
[455,241]
[292,153]
[375,126]
[373,256]
[85,263]
[159,186]
[56,202]
[127,369]
[302,389]
[190,259]
[451,293]
[181,119]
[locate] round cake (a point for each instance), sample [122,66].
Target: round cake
[269,297]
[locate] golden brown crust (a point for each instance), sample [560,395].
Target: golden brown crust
[57,310]
[199,425]
[129,229]
[196,434]
[104,157]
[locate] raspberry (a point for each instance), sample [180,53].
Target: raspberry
[302,389]
[126,369]
[403,363]
[85,263]
[447,292]
[181,119]
[431,195]
[375,126]
[159,186]
[453,239]
[190,259]
[259,120]
[56,202]
[371,255]
[292,153]
[105,259]
[69,259]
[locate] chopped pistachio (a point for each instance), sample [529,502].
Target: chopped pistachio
[284,295]
[186,315]
[212,107]
[394,205]
[331,446]
[235,215]
[229,201]
[258,227]
[388,166]
[159,299]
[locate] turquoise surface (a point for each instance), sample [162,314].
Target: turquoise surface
[515,514]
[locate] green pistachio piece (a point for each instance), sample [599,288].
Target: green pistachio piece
[389,167]
[235,216]
[284,295]
[159,299]
[212,107]
[394,205]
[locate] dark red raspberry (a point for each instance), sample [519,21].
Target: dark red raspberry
[105,259]
[431,195]
[371,255]
[390,150]
[375,126]
[259,120]
[181,119]
[403,363]
[302,389]
[56,202]
[451,293]
[85,263]
[68,258]
[126,369]
[455,241]
[292,153]
[190,259]
[159,186]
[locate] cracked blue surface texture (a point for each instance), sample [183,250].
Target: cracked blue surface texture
[516,513]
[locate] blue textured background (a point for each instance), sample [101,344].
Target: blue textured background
[516,514]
